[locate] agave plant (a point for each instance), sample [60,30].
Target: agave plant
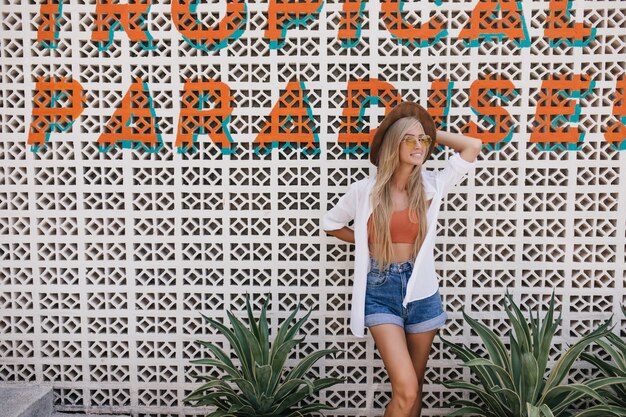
[512,382]
[261,385]
[616,348]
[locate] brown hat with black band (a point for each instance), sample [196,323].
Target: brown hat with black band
[404,109]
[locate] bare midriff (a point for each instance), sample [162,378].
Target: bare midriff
[401,252]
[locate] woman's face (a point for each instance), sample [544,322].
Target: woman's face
[409,154]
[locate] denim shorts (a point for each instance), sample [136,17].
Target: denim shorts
[385,293]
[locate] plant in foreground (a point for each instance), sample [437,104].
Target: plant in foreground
[260,386]
[616,348]
[512,382]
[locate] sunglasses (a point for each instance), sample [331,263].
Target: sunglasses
[412,140]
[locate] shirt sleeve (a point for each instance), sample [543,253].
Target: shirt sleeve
[343,212]
[453,172]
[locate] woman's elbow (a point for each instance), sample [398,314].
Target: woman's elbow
[470,153]
[329,224]
[330,232]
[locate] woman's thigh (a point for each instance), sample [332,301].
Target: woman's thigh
[391,342]
[419,346]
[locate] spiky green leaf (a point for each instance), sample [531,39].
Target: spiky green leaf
[603,411]
[522,331]
[305,364]
[493,344]
[564,364]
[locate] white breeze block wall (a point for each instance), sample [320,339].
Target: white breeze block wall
[168,164]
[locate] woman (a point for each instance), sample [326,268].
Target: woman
[395,292]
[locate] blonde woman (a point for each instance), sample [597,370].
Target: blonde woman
[395,291]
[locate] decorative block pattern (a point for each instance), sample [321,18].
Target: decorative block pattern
[154,168]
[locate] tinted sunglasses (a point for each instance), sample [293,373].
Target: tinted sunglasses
[412,140]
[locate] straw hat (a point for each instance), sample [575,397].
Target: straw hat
[406,108]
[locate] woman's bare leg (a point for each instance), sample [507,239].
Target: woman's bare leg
[419,345]
[391,342]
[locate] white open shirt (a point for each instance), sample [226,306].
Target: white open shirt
[356,205]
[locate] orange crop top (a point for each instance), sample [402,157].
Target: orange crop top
[401,228]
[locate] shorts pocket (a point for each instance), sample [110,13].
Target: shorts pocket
[376,278]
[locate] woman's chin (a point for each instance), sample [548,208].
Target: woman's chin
[417,160]
[414,163]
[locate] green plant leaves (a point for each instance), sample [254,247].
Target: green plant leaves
[555,399]
[221,413]
[261,386]
[564,364]
[305,364]
[504,377]
[530,381]
[495,347]
[615,347]
[260,330]
[603,411]
[262,377]
[291,386]
[521,328]
[541,411]
[310,409]
[512,382]
[493,404]
[486,377]
[543,333]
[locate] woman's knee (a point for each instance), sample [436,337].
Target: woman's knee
[406,394]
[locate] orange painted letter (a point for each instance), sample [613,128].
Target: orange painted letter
[559,26]
[133,124]
[209,39]
[57,103]
[290,121]
[205,110]
[557,106]
[481,99]
[354,128]
[421,35]
[616,133]
[280,15]
[114,16]
[496,19]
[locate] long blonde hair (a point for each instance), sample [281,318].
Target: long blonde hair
[382,203]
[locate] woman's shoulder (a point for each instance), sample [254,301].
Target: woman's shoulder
[428,178]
